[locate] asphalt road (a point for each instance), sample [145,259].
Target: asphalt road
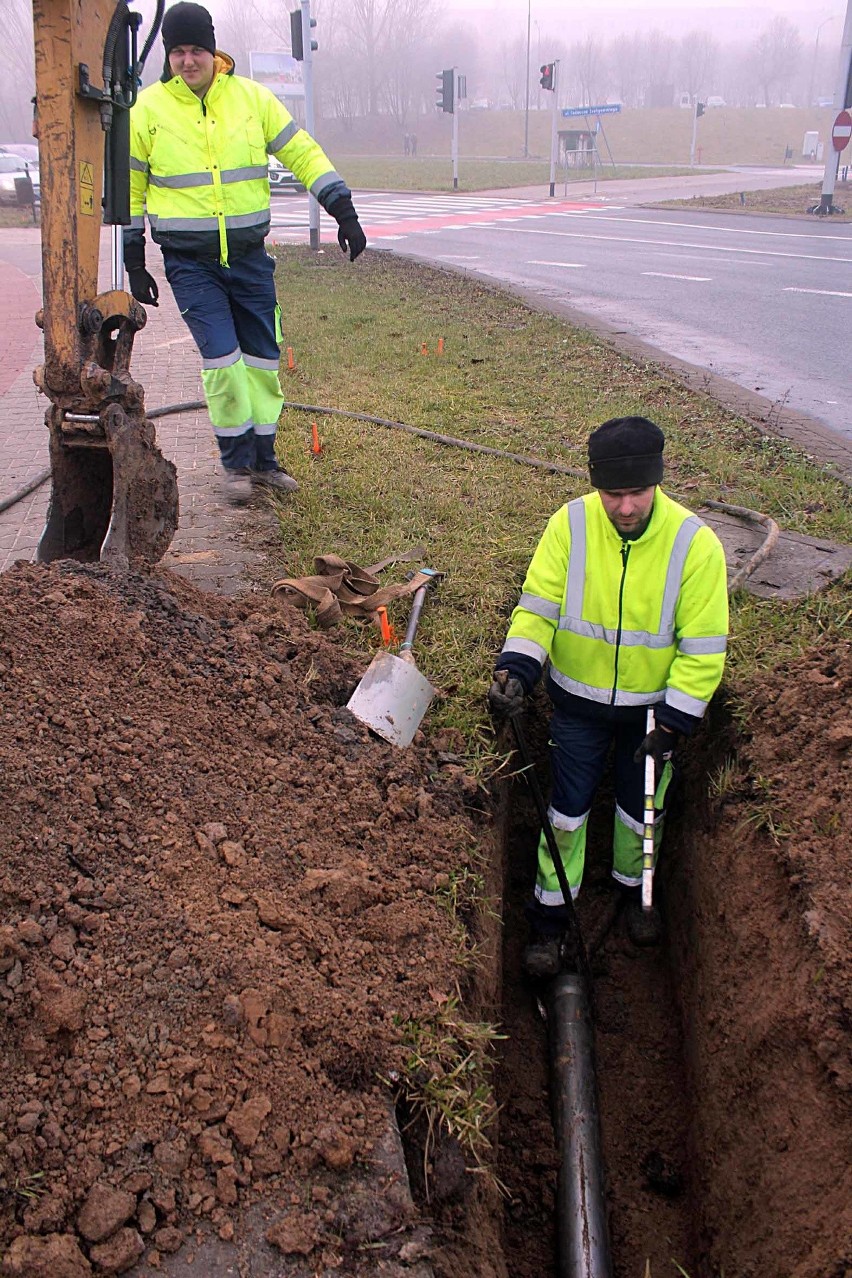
[764,302]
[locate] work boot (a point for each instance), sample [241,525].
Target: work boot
[276,479]
[543,956]
[644,927]
[236,487]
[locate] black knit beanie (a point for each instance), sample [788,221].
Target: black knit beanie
[626,452]
[187,23]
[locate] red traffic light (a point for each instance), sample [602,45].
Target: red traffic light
[546,80]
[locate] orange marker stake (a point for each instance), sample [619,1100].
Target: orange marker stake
[384,625]
[424,349]
[291,363]
[440,345]
[316,446]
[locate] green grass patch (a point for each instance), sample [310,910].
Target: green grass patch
[786,201]
[510,378]
[435,173]
[13,216]
[726,135]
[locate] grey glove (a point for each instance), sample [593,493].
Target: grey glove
[506,695]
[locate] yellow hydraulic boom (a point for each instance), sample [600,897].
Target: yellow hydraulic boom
[114,496]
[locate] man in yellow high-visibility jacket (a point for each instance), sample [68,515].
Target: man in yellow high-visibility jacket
[200,142]
[626,601]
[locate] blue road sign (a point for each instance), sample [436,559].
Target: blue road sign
[609,108]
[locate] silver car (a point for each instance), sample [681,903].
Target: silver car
[11,167]
[281,180]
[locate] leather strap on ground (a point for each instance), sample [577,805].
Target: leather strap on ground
[340,588]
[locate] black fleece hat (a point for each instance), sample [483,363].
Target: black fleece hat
[626,452]
[187,23]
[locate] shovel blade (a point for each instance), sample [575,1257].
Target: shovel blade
[392,698]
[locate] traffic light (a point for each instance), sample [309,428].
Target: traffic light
[546,80]
[296,43]
[445,90]
[699,109]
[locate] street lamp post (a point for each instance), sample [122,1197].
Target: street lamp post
[824,23]
[527,94]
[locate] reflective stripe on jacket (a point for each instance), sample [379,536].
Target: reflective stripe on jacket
[201,167]
[626,623]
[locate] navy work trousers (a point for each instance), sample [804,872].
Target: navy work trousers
[232,313]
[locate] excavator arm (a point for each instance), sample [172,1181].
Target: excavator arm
[114,496]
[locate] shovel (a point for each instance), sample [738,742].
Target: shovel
[393,695]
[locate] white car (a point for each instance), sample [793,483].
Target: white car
[281,180]
[11,167]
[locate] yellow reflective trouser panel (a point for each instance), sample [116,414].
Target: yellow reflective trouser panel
[572,846]
[228,398]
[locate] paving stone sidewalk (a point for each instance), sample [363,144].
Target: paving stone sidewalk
[207,547]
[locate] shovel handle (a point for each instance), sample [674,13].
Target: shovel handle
[414,618]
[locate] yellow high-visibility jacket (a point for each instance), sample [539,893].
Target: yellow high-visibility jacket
[200,166]
[624,623]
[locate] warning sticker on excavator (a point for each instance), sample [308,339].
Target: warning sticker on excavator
[87,188]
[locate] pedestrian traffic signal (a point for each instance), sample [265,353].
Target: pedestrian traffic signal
[297,48]
[445,90]
[699,109]
[546,80]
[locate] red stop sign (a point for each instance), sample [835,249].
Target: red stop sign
[841,131]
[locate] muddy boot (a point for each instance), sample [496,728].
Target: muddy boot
[236,487]
[543,956]
[644,927]
[276,479]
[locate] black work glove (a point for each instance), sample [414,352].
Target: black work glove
[143,286]
[660,745]
[506,695]
[350,236]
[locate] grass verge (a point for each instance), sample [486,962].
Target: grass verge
[433,173]
[510,378]
[787,201]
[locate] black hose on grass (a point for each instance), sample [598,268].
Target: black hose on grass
[32,484]
[742,512]
[451,441]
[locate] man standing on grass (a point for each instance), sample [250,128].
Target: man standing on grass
[199,154]
[626,599]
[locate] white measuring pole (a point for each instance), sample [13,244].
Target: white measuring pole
[648,827]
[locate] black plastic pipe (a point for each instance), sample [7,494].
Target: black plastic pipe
[582,1236]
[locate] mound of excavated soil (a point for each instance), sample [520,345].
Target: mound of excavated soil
[217,909]
[765,945]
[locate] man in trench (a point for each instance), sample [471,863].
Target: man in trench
[625,603]
[200,142]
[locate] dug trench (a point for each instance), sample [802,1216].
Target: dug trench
[723,1058]
[232,925]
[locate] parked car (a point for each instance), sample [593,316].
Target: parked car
[26,150]
[715,101]
[281,180]
[11,167]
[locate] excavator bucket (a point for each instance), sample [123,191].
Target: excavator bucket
[114,496]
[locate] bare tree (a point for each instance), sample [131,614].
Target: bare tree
[697,57]
[625,54]
[587,75]
[776,55]
[513,71]
[658,59]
